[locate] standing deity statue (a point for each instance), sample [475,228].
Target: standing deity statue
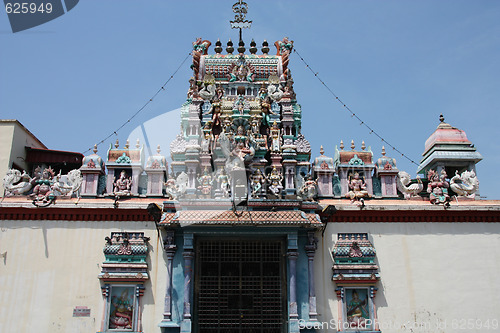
[205,182]
[223,183]
[275,138]
[275,179]
[257,181]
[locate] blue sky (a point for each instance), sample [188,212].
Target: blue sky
[396,64]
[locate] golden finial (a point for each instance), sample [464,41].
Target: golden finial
[321,150]
[138,144]
[158,149]
[127,145]
[117,144]
[363,147]
[352,145]
[95,149]
[383,151]
[341,145]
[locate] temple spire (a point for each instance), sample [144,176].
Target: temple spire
[241,9]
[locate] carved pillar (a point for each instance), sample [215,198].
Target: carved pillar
[170,249]
[292,283]
[340,309]
[188,276]
[310,251]
[373,292]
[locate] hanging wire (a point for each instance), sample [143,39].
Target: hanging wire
[353,115]
[162,88]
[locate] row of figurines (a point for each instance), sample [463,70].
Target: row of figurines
[45,185]
[253,184]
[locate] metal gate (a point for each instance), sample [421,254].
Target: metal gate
[240,286]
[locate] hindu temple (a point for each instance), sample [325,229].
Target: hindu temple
[245,231]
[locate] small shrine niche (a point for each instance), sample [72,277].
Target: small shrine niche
[355,170]
[355,274]
[129,160]
[123,274]
[323,172]
[387,172]
[92,170]
[156,170]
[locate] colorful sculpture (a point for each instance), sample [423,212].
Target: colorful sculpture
[275,179]
[42,192]
[309,189]
[257,181]
[205,182]
[357,188]
[122,185]
[438,188]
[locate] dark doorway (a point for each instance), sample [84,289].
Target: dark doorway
[240,286]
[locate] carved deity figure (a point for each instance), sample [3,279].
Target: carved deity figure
[206,140]
[223,183]
[438,188]
[42,192]
[193,88]
[265,106]
[357,188]
[275,179]
[309,189]
[171,188]
[200,47]
[257,181]
[275,138]
[122,185]
[121,316]
[284,47]
[205,182]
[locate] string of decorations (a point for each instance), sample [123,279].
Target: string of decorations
[354,115]
[162,88]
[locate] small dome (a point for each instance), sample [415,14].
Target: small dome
[446,134]
[323,162]
[93,160]
[385,162]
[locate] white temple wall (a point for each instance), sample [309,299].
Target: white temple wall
[434,277]
[430,274]
[51,267]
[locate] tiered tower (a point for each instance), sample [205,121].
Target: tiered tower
[240,125]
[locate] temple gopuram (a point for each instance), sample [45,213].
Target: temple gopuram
[242,230]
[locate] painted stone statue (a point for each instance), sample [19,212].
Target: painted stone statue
[121,316]
[465,184]
[404,186]
[438,188]
[275,179]
[176,187]
[205,182]
[122,185]
[42,192]
[309,189]
[357,189]
[223,183]
[257,181]
[16,183]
